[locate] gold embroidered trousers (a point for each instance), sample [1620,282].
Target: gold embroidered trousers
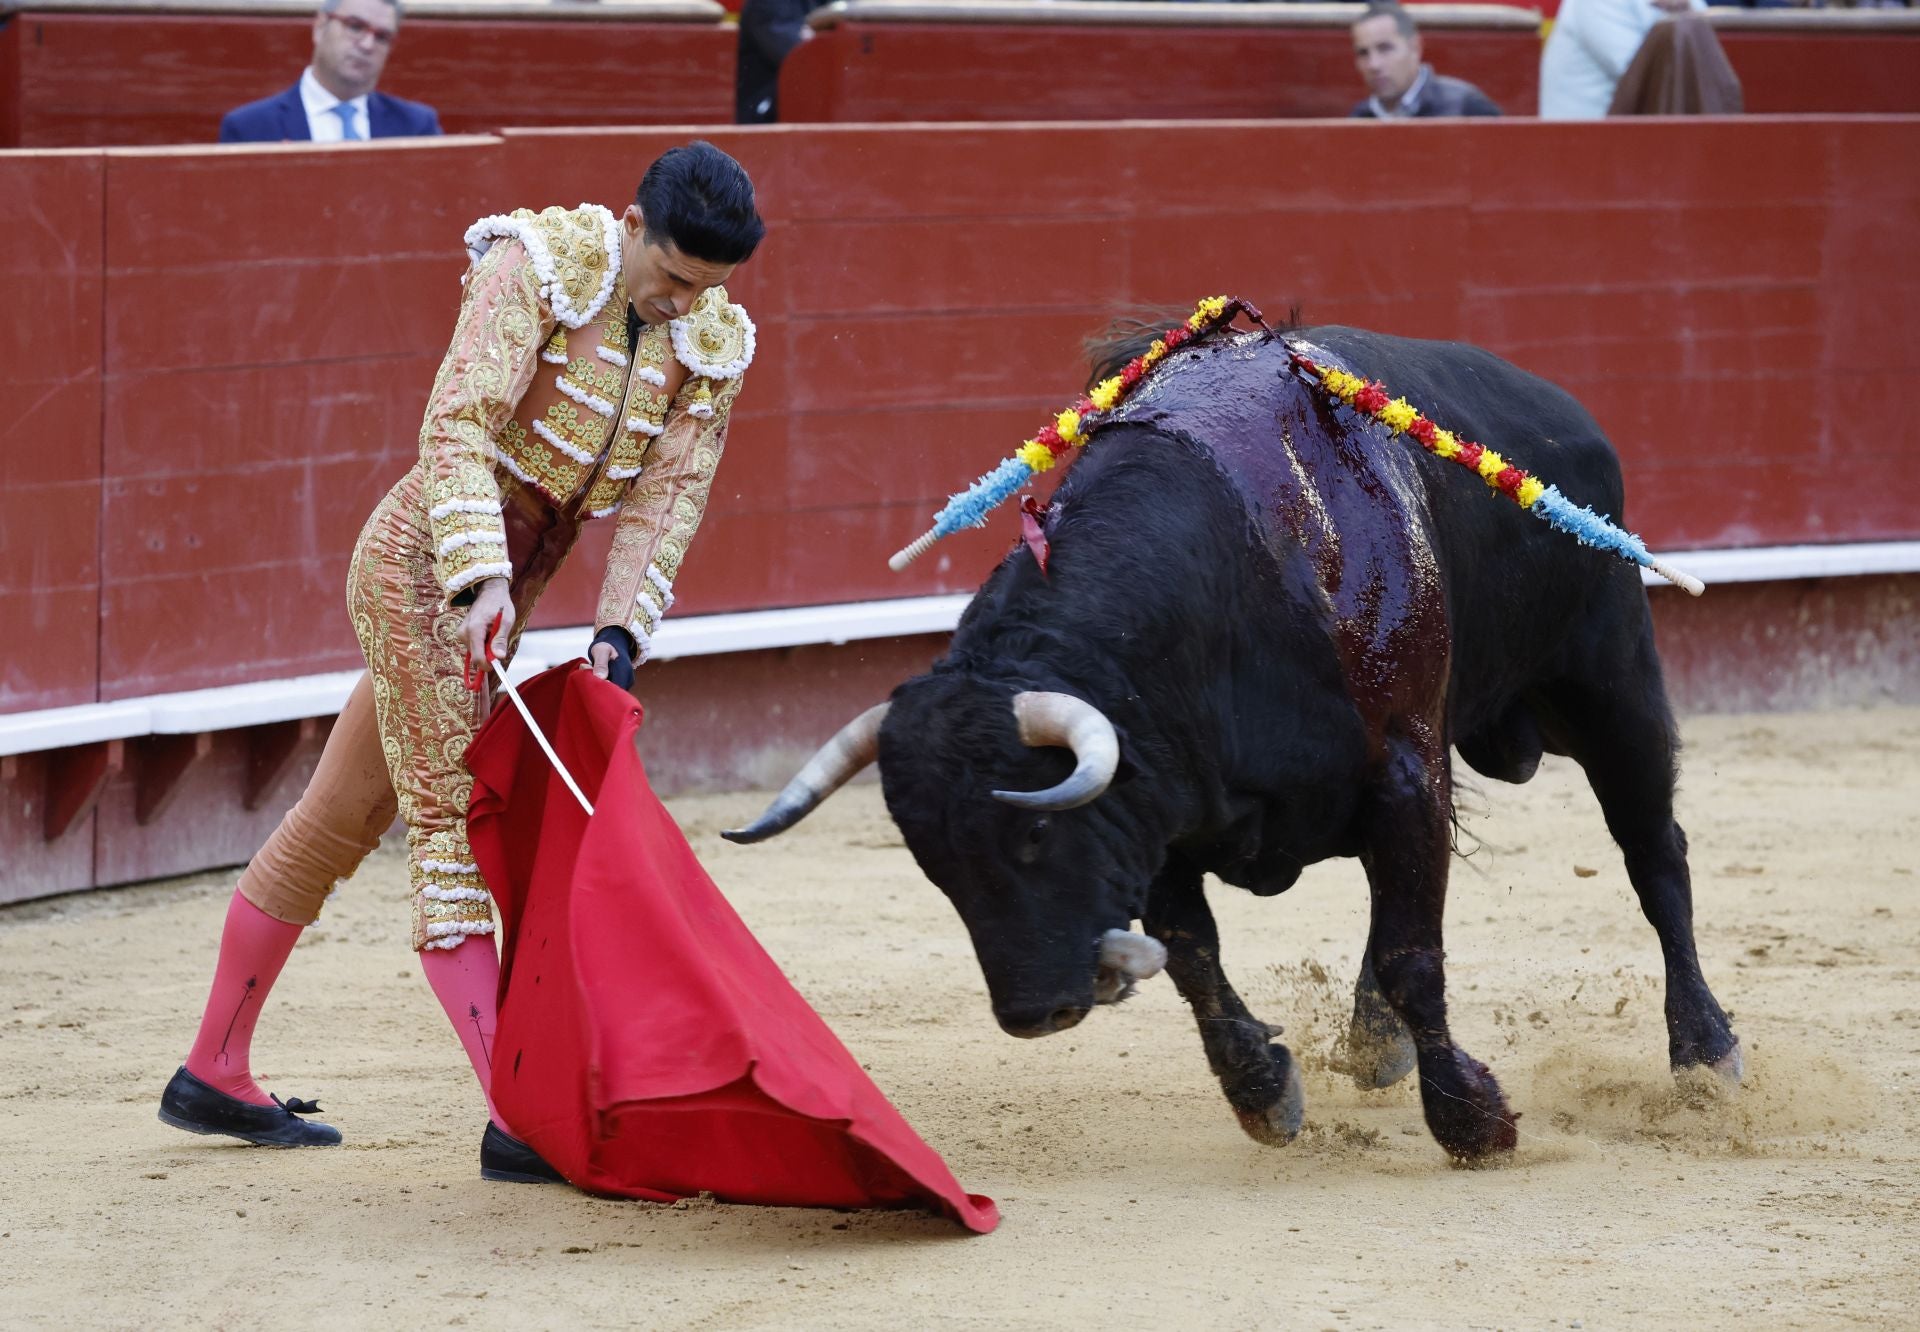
[401,741]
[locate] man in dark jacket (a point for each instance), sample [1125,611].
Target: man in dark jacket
[334,101]
[1386,47]
[769,32]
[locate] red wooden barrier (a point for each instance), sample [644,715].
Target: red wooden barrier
[1802,72]
[1733,299]
[50,271]
[73,77]
[218,360]
[145,78]
[1005,60]
[875,64]
[274,319]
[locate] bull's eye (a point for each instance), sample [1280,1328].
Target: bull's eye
[1030,845]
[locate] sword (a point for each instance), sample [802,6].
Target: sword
[520,705]
[534,726]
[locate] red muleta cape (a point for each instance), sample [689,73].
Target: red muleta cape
[648,1047]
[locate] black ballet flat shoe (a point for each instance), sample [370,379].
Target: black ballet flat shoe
[191,1104]
[505,1157]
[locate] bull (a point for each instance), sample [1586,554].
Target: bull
[1263,626]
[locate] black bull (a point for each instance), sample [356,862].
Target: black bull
[1283,619]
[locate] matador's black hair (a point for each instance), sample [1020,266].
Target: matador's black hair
[702,201]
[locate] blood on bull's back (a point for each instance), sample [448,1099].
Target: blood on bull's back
[1430,579]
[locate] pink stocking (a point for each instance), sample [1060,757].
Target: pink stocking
[253,948]
[466,979]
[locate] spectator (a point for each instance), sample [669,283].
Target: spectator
[1681,70]
[1386,47]
[1592,43]
[769,31]
[334,100]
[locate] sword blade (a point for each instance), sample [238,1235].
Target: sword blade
[545,748]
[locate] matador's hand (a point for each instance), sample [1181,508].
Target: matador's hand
[612,656]
[494,599]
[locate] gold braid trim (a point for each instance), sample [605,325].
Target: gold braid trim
[450,901]
[716,339]
[488,365]
[574,251]
[662,513]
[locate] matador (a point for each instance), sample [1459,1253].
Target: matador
[591,374]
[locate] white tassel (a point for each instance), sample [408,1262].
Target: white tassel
[475,572]
[435,893]
[451,507]
[659,580]
[459,539]
[541,429]
[593,402]
[441,928]
[448,867]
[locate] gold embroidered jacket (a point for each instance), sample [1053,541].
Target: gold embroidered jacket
[542,402]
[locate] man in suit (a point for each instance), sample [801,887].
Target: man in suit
[334,101]
[1386,48]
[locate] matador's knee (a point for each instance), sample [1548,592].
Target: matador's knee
[449,900]
[307,855]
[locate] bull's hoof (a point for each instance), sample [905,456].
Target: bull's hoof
[1379,1058]
[1278,1122]
[1704,1084]
[1729,1066]
[1466,1111]
[1380,1049]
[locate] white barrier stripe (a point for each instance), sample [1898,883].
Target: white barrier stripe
[232,707]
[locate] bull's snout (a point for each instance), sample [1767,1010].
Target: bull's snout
[1042,1019]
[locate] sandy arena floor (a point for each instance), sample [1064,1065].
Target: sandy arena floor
[1131,1199]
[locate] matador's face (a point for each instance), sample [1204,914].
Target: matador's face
[662,281]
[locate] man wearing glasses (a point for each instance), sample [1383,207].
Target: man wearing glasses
[334,101]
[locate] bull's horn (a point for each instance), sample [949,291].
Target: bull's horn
[1074,723]
[857,745]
